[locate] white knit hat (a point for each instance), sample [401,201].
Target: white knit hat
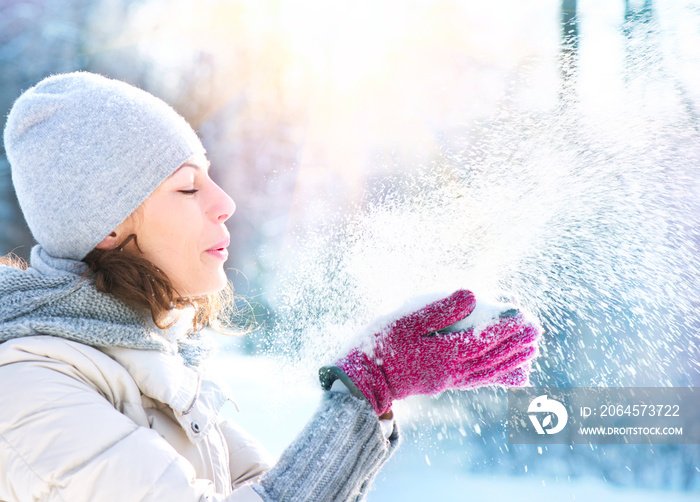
[85,152]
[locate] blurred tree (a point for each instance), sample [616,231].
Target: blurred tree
[37,38]
[569,46]
[639,10]
[641,27]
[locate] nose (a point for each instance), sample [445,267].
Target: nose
[222,206]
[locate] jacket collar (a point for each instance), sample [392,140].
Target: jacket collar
[195,399]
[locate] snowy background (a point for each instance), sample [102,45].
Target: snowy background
[382,149]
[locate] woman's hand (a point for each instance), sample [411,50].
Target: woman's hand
[420,353]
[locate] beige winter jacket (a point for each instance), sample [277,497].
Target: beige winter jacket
[80,424]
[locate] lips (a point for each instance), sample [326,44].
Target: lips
[219,250]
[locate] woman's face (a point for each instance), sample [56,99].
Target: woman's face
[180,229]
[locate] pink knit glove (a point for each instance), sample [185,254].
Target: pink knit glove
[412,356]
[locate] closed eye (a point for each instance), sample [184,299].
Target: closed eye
[189,192]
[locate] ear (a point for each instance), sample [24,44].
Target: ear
[117,236]
[109,242]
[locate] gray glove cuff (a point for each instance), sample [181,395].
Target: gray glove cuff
[329,374]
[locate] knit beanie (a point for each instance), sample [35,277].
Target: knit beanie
[85,151]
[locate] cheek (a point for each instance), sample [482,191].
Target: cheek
[169,237]
[178,258]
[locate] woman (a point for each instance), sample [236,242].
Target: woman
[105,396]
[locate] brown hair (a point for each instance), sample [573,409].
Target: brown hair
[12,260]
[141,285]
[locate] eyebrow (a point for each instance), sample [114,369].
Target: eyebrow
[194,166]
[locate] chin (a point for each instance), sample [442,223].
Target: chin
[214,286]
[203,288]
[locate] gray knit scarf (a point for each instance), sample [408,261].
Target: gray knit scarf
[52,298]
